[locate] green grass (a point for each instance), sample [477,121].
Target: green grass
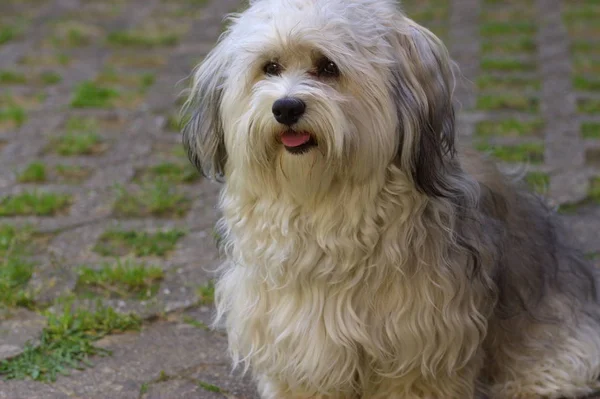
[119,243]
[506,65]
[50,78]
[590,130]
[15,271]
[172,172]
[587,83]
[81,138]
[91,95]
[144,388]
[73,34]
[584,46]
[588,106]
[71,144]
[13,114]
[156,198]
[206,293]
[587,13]
[7,33]
[111,77]
[513,102]
[67,342]
[32,203]
[196,323]
[491,82]
[123,279]
[12,77]
[209,387]
[586,64]
[72,173]
[35,172]
[140,39]
[521,44]
[509,128]
[527,152]
[494,29]
[538,181]
[593,197]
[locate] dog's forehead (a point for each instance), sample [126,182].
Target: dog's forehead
[313,21]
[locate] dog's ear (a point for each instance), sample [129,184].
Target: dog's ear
[203,136]
[422,85]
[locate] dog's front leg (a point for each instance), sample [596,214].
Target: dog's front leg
[458,385]
[271,388]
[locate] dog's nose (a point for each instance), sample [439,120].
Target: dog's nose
[288,110]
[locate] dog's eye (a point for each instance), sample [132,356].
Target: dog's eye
[272,69]
[327,68]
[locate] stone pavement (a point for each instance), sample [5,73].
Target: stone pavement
[90,159]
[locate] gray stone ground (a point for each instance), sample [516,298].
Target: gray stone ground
[169,356]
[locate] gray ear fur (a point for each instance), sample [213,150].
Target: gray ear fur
[423,85]
[203,136]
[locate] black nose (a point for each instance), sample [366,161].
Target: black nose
[288,110]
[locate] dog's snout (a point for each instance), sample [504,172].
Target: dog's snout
[288,110]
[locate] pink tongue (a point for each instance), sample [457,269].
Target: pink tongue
[294,139]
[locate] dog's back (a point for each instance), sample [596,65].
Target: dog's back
[546,325]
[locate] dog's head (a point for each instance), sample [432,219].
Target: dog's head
[304,92]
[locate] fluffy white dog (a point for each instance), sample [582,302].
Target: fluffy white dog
[365,258]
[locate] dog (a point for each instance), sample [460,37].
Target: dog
[366,254]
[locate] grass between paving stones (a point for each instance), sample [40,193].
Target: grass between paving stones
[206,293]
[526,152]
[12,115]
[67,342]
[585,47]
[46,60]
[509,128]
[169,171]
[538,181]
[593,197]
[142,39]
[195,323]
[209,387]
[585,64]
[156,198]
[50,78]
[520,44]
[34,203]
[491,82]
[15,271]
[35,172]
[111,77]
[587,83]
[91,95]
[506,65]
[590,130]
[141,243]
[81,138]
[12,77]
[588,106]
[123,279]
[495,29]
[72,174]
[506,101]
[74,34]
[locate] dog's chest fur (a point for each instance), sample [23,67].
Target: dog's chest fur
[315,298]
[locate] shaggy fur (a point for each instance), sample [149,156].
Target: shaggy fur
[379,264]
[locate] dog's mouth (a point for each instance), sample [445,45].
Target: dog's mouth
[297,142]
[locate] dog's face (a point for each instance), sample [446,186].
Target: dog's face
[299,93]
